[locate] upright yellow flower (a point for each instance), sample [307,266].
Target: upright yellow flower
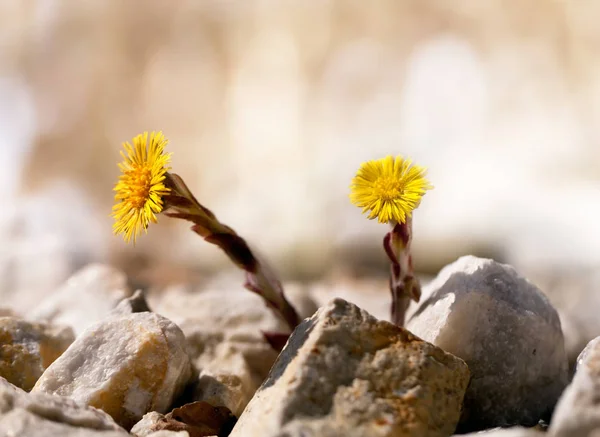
[141,185]
[390,188]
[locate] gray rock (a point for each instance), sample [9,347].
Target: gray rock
[508,333]
[38,414]
[578,411]
[134,304]
[27,349]
[343,372]
[124,365]
[87,297]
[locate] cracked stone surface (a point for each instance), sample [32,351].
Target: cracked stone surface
[343,372]
[27,349]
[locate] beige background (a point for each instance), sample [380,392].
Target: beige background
[270,107]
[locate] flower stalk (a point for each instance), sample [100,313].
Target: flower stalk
[181,203]
[389,190]
[404,285]
[146,189]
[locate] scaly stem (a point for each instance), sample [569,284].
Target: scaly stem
[181,203]
[403,284]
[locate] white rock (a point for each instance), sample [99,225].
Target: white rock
[165,433]
[27,349]
[577,412]
[508,333]
[38,414]
[588,354]
[506,432]
[343,372]
[125,365]
[87,297]
[22,423]
[144,426]
[224,389]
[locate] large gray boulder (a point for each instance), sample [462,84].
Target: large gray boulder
[507,332]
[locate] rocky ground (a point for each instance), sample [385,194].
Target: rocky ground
[484,351]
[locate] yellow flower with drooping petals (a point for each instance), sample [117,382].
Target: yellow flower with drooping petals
[389,188]
[141,185]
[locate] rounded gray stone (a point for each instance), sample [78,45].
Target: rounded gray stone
[508,333]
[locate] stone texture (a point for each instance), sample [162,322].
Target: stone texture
[87,297]
[125,365]
[574,294]
[41,415]
[165,433]
[508,333]
[224,389]
[589,353]
[135,304]
[198,419]
[223,329]
[26,424]
[507,432]
[151,422]
[343,372]
[147,424]
[578,411]
[27,349]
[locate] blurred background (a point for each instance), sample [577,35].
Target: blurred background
[271,106]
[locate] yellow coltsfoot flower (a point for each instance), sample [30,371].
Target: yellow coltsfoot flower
[141,187]
[389,188]
[146,188]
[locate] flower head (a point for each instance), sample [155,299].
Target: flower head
[390,188]
[141,185]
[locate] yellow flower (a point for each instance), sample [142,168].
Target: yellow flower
[141,185]
[390,188]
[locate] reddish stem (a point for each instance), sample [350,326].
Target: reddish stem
[404,285]
[181,203]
